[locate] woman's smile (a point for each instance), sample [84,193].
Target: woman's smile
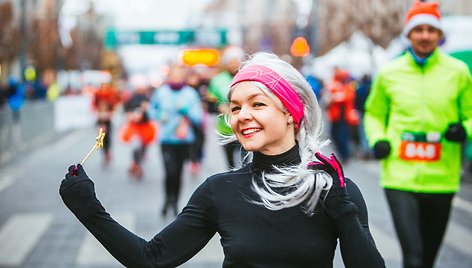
[249,132]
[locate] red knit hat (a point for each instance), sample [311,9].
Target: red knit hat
[422,13]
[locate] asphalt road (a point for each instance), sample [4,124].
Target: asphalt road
[37,230]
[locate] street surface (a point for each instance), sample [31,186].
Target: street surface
[37,230]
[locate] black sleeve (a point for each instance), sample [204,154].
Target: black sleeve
[357,245]
[175,244]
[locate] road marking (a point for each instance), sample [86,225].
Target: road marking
[19,235]
[91,252]
[5,182]
[462,204]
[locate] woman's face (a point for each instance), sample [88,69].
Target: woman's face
[258,122]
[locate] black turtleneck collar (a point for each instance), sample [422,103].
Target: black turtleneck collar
[266,162]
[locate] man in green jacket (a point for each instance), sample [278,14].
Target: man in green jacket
[218,90]
[417,116]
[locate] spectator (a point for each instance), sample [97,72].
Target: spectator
[342,115]
[139,131]
[363,90]
[316,84]
[219,89]
[16,97]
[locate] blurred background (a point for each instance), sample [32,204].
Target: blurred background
[56,54]
[55,48]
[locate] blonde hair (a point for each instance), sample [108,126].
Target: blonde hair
[305,186]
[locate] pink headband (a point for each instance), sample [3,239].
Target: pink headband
[277,85]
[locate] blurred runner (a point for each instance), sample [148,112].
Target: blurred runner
[362,91]
[106,100]
[176,108]
[139,130]
[196,80]
[418,114]
[219,89]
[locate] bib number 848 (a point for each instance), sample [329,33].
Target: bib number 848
[420,151]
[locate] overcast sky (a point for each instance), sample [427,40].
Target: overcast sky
[141,13]
[152,13]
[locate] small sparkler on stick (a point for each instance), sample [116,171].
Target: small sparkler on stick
[98,145]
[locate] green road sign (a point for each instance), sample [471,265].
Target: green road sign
[206,37]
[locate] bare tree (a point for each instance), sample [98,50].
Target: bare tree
[70,53]
[87,43]
[333,24]
[336,20]
[9,34]
[381,21]
[44,45]
[282,25]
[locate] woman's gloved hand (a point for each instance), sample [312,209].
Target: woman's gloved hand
[337,201]
[78,193]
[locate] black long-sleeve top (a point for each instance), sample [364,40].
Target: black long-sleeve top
[251,235]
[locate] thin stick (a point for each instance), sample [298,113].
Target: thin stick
[87,156]
[98,145]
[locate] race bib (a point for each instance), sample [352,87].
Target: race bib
[420,146]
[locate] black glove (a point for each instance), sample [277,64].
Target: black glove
[337,202]
[78,193]
[381,149]
[456,132]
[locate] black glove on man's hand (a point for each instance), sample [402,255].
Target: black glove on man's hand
[456,132]
[381,149]
[78,193]
[337,201]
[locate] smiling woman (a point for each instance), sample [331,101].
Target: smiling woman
[258,122]
[286,208]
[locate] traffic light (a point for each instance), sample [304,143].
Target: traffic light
[194,56]
[300,47]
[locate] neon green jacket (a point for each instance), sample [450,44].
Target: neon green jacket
[408,98]
[219,88]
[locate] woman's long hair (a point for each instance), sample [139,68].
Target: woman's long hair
[301,185]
